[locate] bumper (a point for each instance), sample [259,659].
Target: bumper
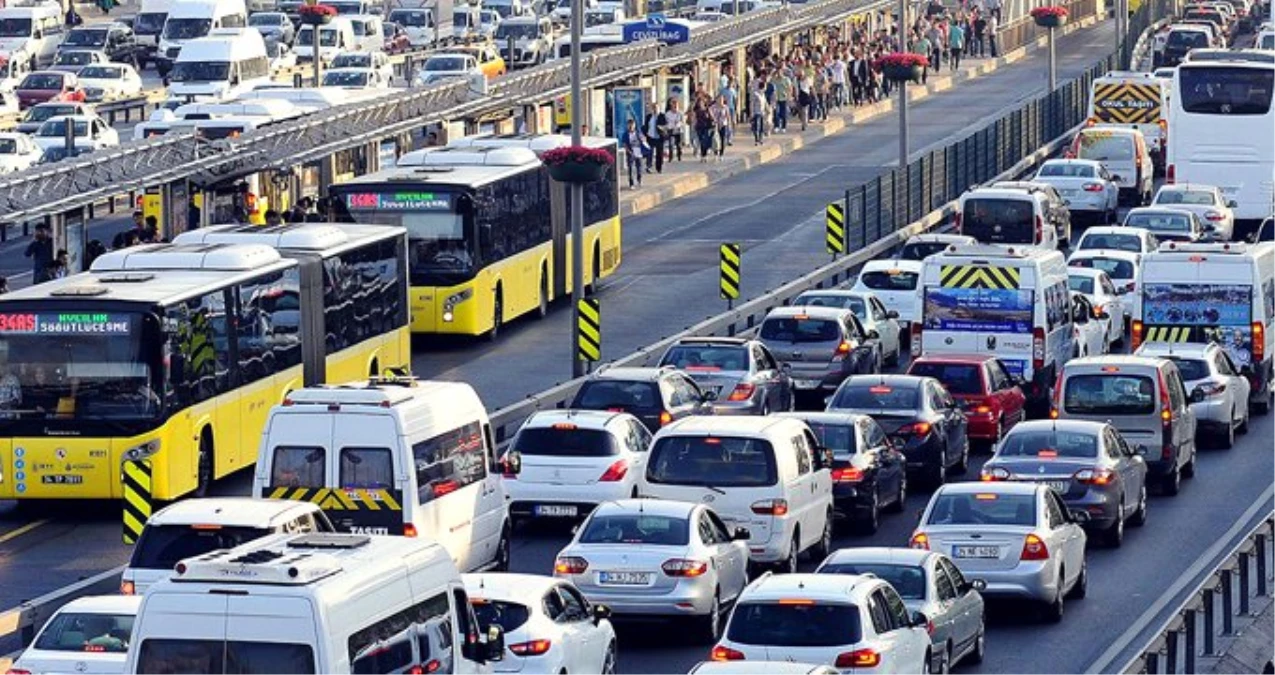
[852,499]
[1091,202]
[524,499]
[750,407]
[1100,506]
[1159,468]
[688,598]
[1028,581]
[1212,413]
[981,426]
[922,454]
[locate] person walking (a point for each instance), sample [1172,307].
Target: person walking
[702,122]
[731,94]
[955,44]
[654,128]
[40,251]
[993,25]
[721,115]
[979,25]
[759,108]
[837,72]
[805,96]
[922,46]
[636,147]
[675,128]
[783,95]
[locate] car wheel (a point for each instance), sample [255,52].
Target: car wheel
[1115,534]
[765,408]
[938,474]
[789,565]
[824,546]
[1139,517]
[711,624]
[895,355]
[872,522]
[1081,589]
[1188,469]
[1053,611]
[901,499]
[608,660]
[980,644]
[1227,439]
[1172,483]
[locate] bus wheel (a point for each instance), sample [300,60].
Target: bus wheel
[543,309]
[374,370]
[497,314]
[205,465]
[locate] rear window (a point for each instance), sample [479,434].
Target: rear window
[1187,38]
[619,395]
[298,466]
[1191,369]
[920,250]
[1105,147]
[1109,394]
[637,529]
[163,546]
[510,616]
[1117,242]
[713,461]
[83,632]
[908,580]
[800,330]
[1080,284]
[999,221]
[1067,170]
[1187,197]
[706,357]
[565,442]
[983,509]
[1114,267]
[959,378]
[1226,90]
[876,397]
[1049,443]
[852,303]
[839,438]
[889,280]
[795,625]
[218,656]
[1156,222]
[367,468]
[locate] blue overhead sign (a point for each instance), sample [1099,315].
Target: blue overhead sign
[657,27]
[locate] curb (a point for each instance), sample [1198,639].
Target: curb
[634,203]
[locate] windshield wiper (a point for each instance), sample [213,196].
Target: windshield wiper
[716,489]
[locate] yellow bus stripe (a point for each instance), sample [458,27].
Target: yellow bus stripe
[368,500]
[388,500]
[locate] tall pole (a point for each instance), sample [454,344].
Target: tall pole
[1053,61]
[577,189]
[903,87]
[1119,13]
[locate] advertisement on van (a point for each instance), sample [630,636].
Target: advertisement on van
[1201,312]
[990,310]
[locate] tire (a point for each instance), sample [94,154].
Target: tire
[1114,536]
[1226,440]
[710,625]
[980,645]
[608,660]
[205,465]
[893,361]
[1171,484]
[542,310]
[901,501]
[1188,469]
[497,315]
[1053,612]
[1243,426]
[872,523]
[1081,589]
[1139,517]
[789,565]
[1263,406]
[823,547]
[945,663]
[938,474]
[503,549]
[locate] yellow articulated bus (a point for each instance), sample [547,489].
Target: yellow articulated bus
[489,232]
[176,353]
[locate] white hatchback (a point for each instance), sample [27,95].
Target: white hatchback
[897,284]
[1205,201]
[87,635]
[1125,270]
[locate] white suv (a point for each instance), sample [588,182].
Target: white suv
[853,622]
[766,474]
[573,460]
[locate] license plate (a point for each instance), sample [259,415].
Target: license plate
[624,578]
[1059,486]
[557,511]
[1069,193]
[805,384]
[62,479]
[976,552]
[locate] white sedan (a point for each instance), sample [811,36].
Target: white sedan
[1118,238]
[1125,270]
[1090,328]
[1085,184]
[90,132]
[17,152]
[447,66]
[88,635]
[1100,290]
[1206,201]
[549,625]
[109,81]
[355,78]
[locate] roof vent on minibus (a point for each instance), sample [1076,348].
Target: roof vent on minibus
[224,257]
[80,291]
[291,236]
[126,278]
[263,566]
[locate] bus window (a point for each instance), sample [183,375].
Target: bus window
[1226,91]
[199,351]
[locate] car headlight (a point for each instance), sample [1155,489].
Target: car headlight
[142,451]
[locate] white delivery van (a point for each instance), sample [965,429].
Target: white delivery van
[1010,216]
[148,25]
[1134,100]
[192,19]
[223,65]
[335,37]
[1223,293]
[393,456]
[313,603]
[31,34]
[368,32]
[1012,302]
[418,23]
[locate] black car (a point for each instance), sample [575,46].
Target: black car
[657,396]
[868,472]
[116,39]
[922,418]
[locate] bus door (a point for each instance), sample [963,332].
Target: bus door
[561,224]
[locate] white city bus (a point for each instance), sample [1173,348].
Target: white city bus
[1220,124]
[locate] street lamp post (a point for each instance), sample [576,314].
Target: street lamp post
[903,87]
[577,189]
[1053,60]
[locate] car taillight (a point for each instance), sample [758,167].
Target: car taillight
[1166,409]
[128,588]
[1040,228]
[742,392]
[1137,334]
[915,338]
[1214,216]
[721,653]
[1034,549]
[859,658]
[770,507]
[1038,348]
[506,468]
[665,417]
[920,540]
[17,671]
[849,474]
[532,648]
[1092,187]
[993,474]
[956,221]
[570,565]
[677,567]
[615,472]
[1095,476]
[918,429]
[409,530]
[1171,174]
[1259,342]
[1212,388]
[842,349]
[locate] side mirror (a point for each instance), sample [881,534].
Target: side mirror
[494,649]
[920,620]
[741,534]
[600,612]
[874,334]
[891,314]
[511,463]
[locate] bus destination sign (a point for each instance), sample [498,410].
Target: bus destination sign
[398,201]
[65,323]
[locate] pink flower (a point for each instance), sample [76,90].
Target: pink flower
[576,153]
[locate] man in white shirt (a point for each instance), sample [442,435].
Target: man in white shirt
[838,71]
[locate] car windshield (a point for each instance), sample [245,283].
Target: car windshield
[1192,369]
[1109,394]
[200,71]
[1115,268]
[889,280]
[983,508]
[345,79]
[8,146]
[510,616]
[85,38]
[1105,147]
[1188,39]
[1080,284]
[352,61]
[168,655]
[800,330]
[414,18]
[1187,197]
[715,461]
[876,397]
[709,358]
[637,397]
[637,528]
[517,31]
[42,81]
[149,23]
[12,28]
[163,546]
[57,128]
[908,580]
[74,58]
[1116,242]
[851,302]
[186,29]
[1067,170]
[438,64]
[837,437]
[87,632]
[265,19]
[797,624]
[1049,443]
[959,378]
[920,250]
[565,440]
[327,37]
[102,73]
[1160,222]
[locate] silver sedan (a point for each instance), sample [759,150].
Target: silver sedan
[746,378]
[654,558]
[931,584]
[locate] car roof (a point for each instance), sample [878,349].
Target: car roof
[656,507]
[1172,210]
[996,487]
[817,587]
[1119,360]
[1185,187]
[1072,160]
[1130,256]
[878,554]
[103,604]
[894,263]
[1116,229]
[1074,426]
[1112,129]
[824,417]
[632,373]
[889,379]
[585,419]
[508,586]
[813,311]
[230,511]
[728,425]
[755,668]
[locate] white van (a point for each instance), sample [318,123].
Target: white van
[335,37]
[418,23]
[368,32]
[1009,216]
[1223,293]
[148,25]
[192,19]
[1133,100]
[32,34]
[223,65]
[1012,302]
[766,474]
[1124,151]
[393,456]
[314,603]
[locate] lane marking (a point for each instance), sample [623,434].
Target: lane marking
[14,534]
[1190,576]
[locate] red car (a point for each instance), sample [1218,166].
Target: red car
[47,85]
[992,398]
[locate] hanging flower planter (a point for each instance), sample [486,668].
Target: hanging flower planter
[901,66]
[316,15]
[577,164]
[1049,16]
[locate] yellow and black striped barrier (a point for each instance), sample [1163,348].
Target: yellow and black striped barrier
[340,499]
[835,217]
[1169,333]
[138,487]
[1127,103]
[589,330]
[975,276]
[729,284]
